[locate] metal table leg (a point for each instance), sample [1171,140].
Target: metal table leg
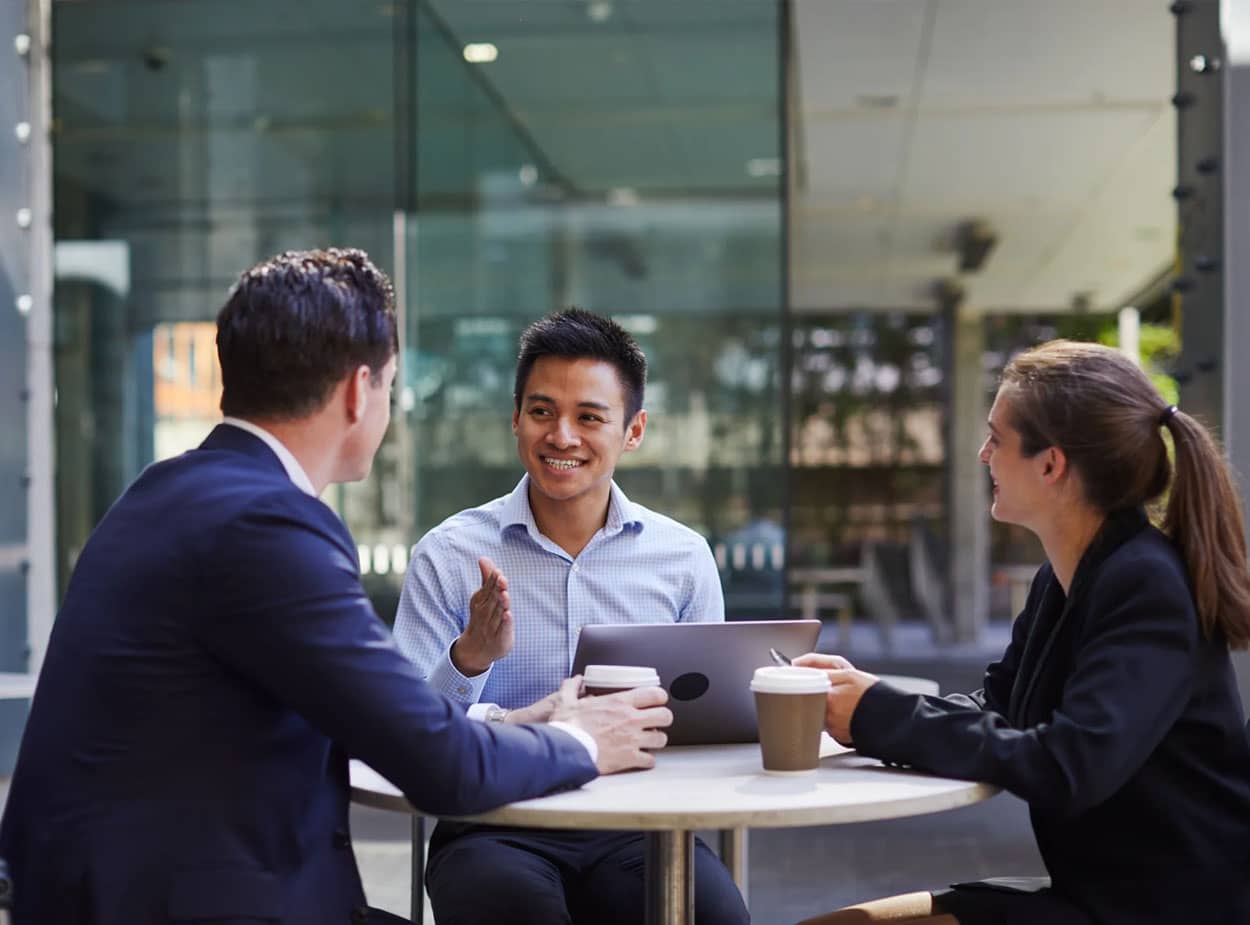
[733,854]
[417,899]
[670,878]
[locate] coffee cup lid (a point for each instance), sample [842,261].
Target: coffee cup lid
[620,676]
[790,680]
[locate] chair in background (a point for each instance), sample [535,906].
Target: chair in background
[926,560]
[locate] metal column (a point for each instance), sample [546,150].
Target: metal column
[1235,77]
[967,488]
[1198,285]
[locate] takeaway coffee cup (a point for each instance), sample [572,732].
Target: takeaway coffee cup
[790,707]
[610,679]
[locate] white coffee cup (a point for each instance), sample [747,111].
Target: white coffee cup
[608,679]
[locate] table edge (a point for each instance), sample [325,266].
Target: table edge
[538,818]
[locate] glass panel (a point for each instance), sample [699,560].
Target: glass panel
[16,248]
[186,398]
[623,157]
[626,161]
[193,139]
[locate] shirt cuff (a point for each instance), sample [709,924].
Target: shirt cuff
[447,680]
[478,712]
[585,738]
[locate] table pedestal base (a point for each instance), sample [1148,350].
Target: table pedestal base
[670,878]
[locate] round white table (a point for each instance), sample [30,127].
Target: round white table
[711,787]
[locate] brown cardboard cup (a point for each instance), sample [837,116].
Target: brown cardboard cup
[790,708]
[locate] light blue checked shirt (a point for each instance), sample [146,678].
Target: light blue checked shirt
[641,567]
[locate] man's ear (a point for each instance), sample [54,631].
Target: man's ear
[356,393]
[634,431]
[516,420]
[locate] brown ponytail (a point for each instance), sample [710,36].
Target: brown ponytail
[1108,418]
[1204,518]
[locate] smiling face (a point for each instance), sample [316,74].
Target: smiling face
[1019,481]
[571,430]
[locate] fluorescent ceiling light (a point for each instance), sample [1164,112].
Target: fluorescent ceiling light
[764,167]
[623,196]
[637,324]
[480,52]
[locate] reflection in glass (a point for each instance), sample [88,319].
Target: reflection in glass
[191,140]
[626,161]
[605,163]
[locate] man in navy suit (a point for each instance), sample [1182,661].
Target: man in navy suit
[216,660]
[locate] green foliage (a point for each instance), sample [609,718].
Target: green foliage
[1159,345]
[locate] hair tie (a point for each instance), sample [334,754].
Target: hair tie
[1167,415]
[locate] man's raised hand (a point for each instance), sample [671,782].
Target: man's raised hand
[488,636]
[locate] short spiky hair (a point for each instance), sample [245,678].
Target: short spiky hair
[578,334]
[296,324]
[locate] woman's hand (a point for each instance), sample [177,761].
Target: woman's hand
[849,685]
[816,660]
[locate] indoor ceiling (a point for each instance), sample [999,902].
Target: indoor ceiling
[1050,122]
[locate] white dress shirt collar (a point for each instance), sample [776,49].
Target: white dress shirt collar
[293,469]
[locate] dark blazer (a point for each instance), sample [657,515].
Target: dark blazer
[214,662]
[1118,723]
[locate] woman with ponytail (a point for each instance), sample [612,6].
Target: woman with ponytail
[1114,711]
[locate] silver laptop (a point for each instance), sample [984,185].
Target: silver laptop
[705,667]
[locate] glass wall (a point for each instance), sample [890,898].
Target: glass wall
[15,283]
[624,157]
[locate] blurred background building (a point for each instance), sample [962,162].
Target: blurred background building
[829,222]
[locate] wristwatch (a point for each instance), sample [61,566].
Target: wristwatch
[496,714]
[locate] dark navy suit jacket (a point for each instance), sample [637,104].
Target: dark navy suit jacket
[1118,723]
[213,664]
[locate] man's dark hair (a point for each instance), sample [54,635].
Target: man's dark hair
[296,324]
[575,334]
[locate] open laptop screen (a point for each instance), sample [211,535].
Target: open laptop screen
[705,667]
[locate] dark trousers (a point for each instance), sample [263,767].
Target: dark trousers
[482,875]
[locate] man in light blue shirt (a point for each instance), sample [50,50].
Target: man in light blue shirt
[494,600]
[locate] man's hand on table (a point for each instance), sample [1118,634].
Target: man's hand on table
[622,724]
[542,711]
[488,637]
[849,685]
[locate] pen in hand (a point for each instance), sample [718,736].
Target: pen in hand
[778,657]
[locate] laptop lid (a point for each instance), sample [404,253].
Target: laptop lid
[705,667]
